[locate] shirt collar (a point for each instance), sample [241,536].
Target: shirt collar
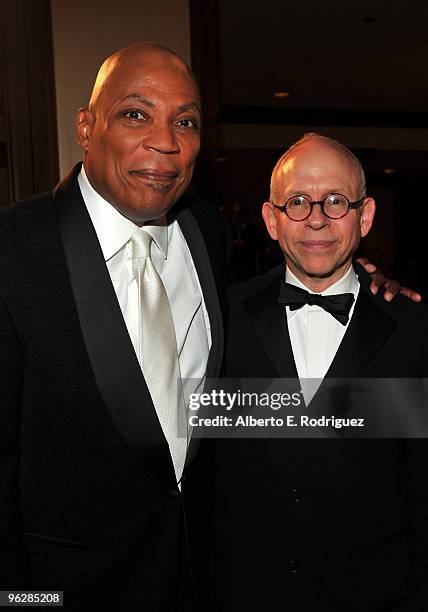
[349,283]
[112,228]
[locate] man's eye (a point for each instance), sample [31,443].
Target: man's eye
[187,123]
[336,200]
[295,202]
[134,114]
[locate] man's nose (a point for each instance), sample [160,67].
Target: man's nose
[317,219]
[161,138]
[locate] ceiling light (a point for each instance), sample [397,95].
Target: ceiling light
[281,94]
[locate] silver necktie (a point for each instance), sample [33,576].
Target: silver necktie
[158,349]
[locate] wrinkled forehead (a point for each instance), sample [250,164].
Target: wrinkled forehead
[166,73]
[316,165]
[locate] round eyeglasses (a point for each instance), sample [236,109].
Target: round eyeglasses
[333,206]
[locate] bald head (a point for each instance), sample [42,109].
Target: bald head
[144,56]
[140,134]
[321,142]
[317,211]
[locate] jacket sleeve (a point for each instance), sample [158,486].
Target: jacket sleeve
[14,568]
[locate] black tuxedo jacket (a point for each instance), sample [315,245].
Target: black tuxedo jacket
[88,498]
[327,524]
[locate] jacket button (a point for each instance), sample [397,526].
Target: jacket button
[292,567]
[296,495]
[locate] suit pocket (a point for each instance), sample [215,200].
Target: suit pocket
[59,542]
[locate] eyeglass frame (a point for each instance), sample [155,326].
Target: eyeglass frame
[351,205]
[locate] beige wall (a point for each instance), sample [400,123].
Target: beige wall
[85,32]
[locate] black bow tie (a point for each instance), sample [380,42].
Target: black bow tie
[337,305]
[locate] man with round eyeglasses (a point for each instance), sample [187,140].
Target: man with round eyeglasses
[321,521]
[326,210]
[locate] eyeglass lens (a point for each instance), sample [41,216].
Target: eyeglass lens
[299,207]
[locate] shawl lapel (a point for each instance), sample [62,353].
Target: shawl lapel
[270,321]
[368,330]
[112,357]
[198,250]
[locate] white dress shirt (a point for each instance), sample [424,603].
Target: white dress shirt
[315,334]
[173,262]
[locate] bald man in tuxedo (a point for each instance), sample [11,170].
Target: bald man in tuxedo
[92,477]
[325,522]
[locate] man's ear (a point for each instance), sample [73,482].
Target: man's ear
[269,218]
[367,216]
[84,122]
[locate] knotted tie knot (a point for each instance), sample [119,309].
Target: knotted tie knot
[312,299]
[141,242]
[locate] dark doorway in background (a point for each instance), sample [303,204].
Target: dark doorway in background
[28,132]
